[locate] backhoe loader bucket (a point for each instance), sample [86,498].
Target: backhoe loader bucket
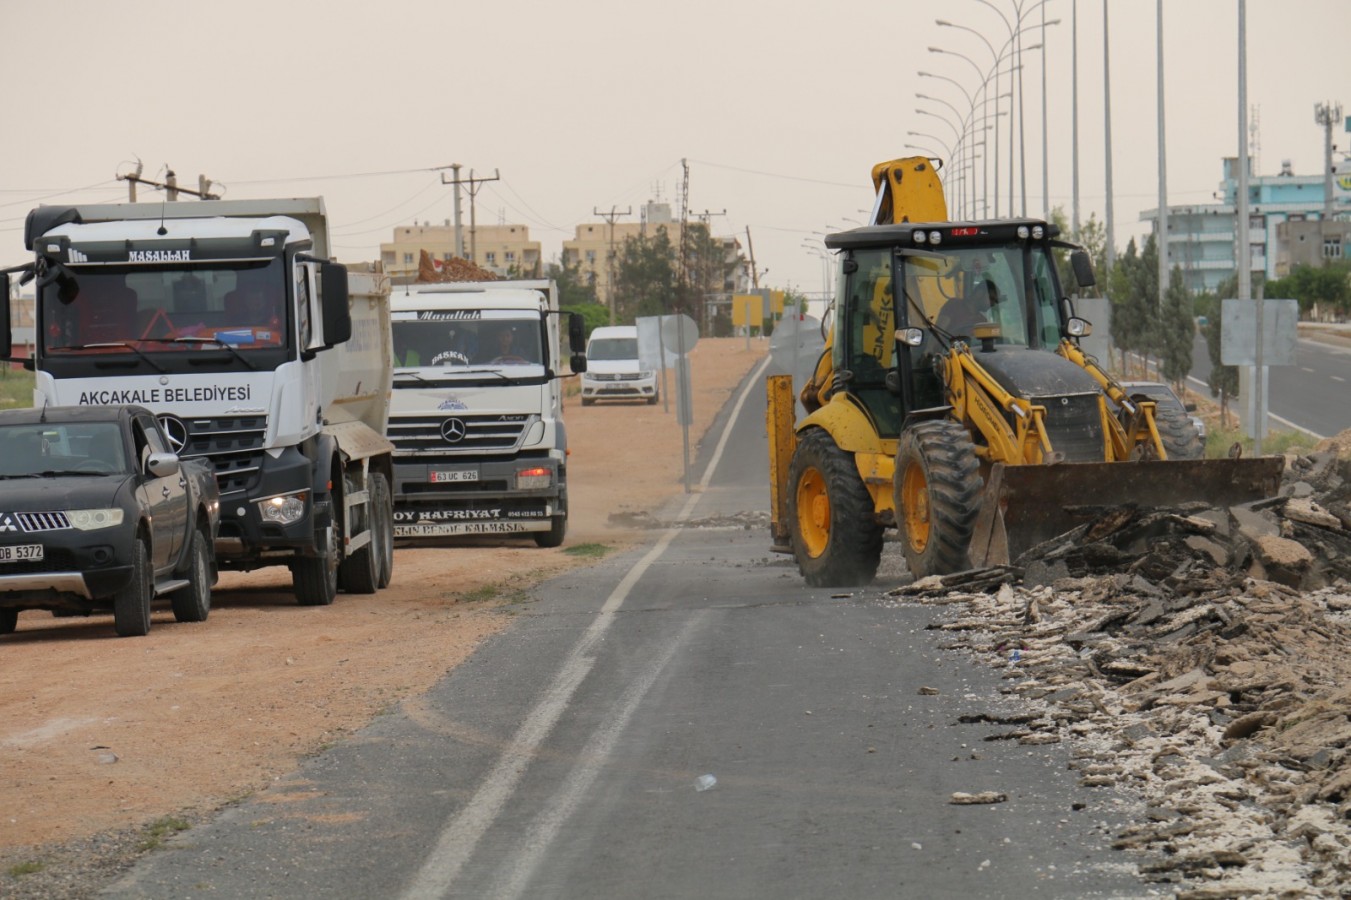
[1026,505]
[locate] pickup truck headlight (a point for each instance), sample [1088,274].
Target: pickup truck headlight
[282,510]
[92,519]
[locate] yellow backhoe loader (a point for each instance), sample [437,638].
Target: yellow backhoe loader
[954,403]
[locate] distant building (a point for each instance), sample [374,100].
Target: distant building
[503,249]
[596,245]
[1285,226]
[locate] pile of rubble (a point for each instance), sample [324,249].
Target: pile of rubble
[433,271]
[1198,658]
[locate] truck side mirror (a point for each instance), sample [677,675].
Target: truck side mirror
[6,332]
[1083,268]
[578,363]
[333,298]
[576,333]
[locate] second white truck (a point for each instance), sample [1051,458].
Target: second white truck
[477,415]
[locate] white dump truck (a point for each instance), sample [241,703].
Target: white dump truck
[228,321]
[477,420]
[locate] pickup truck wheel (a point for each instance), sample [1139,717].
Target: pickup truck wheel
[9,620]
[315,578]
[193,603]
[360,572]
[558,528]
[131,605]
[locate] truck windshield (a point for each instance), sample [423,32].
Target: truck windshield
[156,309]
[467,337]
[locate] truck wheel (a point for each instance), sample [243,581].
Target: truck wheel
[1180,437]
[558,528]
[836,536]
[193,603]
[131,605]
[937,495]
[587,401]
[360,572]
[315,578]
[9,620]
[384,515]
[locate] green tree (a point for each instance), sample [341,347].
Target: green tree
[1223,380]
[1133,288]
[1321,289]
[1177,330]
[645,276]
[573,289]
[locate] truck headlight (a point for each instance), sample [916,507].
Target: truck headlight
[535,479]
[282,510]
[92,519]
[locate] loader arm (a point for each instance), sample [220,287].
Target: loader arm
[1140,436]
[980,403]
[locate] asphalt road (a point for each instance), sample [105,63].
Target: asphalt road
[1310,396]
[684,720]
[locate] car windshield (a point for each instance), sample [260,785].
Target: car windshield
[608,349]
[466,338]
[93,448]
[157,309]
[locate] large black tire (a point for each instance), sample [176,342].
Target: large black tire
[131,605]
[315,578]
[360,572]
[558,529]
[836,537]
[937,495]
[1180,438]
[9,620]
[193,603]
[383,504]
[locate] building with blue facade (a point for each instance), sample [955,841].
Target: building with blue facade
[1202,237]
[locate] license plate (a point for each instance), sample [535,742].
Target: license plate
[454,475]
[20,553]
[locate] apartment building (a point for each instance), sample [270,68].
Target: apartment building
[503,249]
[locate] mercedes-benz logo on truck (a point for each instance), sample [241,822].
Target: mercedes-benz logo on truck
[176,431]
[453,430]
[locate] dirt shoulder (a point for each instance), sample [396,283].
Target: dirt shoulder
[99,733]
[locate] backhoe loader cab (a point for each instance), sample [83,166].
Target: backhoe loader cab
[954,404]
[956,277]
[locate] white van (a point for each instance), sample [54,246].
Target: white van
[612,369]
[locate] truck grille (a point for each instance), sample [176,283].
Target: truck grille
[233,444]
[457,436]
[614,376]
[1074,425]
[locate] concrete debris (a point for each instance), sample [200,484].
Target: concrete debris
[1197,658]
[754,520]
[961,798]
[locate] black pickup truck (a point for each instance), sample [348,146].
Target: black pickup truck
[97,514]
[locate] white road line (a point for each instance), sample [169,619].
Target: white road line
[1270,415]
[1336,378]
[590,762]
[462,833]
[1307,369]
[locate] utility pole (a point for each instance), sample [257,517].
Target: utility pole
[474,185]
[473,190]
[1163,172]
[703,279]
[169,185]
[1107,119]
[459,236]
[750,251]
[609,218]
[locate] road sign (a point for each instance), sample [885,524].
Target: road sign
[679,333]
[1238,332]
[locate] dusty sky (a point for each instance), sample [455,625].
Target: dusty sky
[780,107]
